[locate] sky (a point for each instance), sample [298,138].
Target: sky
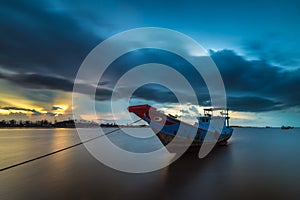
[254,44]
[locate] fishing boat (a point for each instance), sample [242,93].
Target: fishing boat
[209,129]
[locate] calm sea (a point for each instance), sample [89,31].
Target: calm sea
[256,164]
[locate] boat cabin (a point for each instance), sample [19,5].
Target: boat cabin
[203,121]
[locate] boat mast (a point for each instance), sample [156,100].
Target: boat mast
[227,118]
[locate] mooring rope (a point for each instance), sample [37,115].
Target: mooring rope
[63,149]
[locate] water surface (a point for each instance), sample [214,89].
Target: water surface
[257,163]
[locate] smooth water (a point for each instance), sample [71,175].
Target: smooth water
[257,163]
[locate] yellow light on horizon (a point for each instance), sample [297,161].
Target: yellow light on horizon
[7,112]
[241,115]
[60,109]
[4,112]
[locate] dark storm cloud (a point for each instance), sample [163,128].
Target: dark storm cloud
[37,81]
[47,36]
[252,104]
[35,112]
[156,93]
[45,41]
[271,49]
[56,108]
[42,82]
[251,85]
[257,83]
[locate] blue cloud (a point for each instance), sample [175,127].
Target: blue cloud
[44,43]
[47,36]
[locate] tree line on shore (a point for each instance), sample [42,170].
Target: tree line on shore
[56,124]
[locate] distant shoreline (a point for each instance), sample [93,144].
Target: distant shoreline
[120,126]
[71,127]
[88,124]
[61,124]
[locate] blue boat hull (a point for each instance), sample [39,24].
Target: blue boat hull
[181,134]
